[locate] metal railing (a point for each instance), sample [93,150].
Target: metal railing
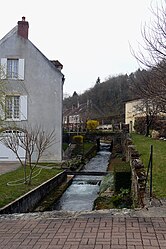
[150,171]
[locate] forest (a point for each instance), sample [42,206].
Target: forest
[109,96]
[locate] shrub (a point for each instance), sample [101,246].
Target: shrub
[139,125]
[158,124]
[78,139]
[122,180]
[92,124]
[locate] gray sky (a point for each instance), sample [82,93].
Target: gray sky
[89,37]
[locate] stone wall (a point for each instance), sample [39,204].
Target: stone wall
[138,174]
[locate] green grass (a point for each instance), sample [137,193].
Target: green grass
[120,166]
[88,146]
[143,144]
[65,146]
[10,193]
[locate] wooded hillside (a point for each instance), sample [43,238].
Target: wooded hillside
[109,96]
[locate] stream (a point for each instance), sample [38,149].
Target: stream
[81,194]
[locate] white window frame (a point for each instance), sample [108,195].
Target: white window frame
[12,108]
[12,68]
[21,105]
[20,73]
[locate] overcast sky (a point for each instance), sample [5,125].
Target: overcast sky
[89,37]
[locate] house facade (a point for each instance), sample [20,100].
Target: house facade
[140,108]
[33,89]
[131,112]
[75,118]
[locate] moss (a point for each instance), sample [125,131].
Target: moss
[120,200]
[103,203]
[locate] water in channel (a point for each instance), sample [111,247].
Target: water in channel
[84,189]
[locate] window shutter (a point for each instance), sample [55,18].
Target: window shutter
[3,72]
[23,107]
[21,69]
[2,108]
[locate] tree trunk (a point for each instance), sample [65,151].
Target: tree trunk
[147,126]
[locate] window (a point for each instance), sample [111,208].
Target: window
[14,108]
[12,104]
[12,68]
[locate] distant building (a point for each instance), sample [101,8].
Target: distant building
[131,113]
[75,118]
[136,108]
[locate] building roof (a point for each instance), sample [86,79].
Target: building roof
[14,32]
[85,110]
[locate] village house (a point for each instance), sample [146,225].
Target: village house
[138,108]
[75,118]
[33,90]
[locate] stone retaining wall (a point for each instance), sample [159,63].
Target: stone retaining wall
[138,174]
[27,202]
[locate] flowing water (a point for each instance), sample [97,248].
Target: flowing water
[84,189]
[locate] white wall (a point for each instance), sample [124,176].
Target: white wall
[43,85]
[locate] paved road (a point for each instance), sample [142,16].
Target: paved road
[93,232]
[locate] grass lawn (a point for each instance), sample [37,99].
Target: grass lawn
[88,146]
[143,144]
[10,193]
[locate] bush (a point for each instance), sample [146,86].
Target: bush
[158,124]
[78,139]
[122,174]
[139,125]
[92,124]
[121,200]
[122,180]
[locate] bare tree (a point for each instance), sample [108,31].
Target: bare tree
[153,55]
[149,109]
[35,141]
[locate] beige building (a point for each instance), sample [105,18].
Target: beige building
[131,112]
[138,108]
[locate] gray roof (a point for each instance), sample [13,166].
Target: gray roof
[14,31]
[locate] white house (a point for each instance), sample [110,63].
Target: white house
[33,89]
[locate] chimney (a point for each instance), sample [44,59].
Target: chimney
[23,27]
[57,64]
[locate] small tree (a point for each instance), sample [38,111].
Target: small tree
[98,81]
[33,141]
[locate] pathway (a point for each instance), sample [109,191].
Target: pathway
[6,167]
[94,230]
